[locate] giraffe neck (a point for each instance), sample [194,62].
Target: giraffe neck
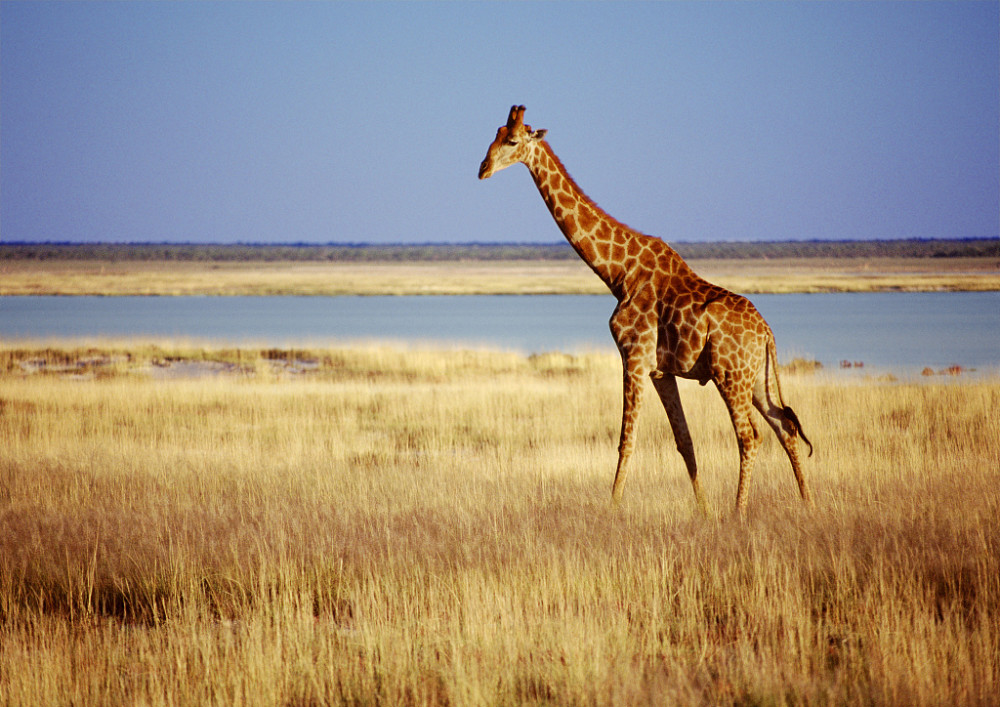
[599,239]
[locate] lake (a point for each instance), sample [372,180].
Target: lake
[894,331]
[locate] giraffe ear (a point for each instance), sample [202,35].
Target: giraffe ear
[539,134]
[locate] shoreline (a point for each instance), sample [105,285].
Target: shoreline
[163,360]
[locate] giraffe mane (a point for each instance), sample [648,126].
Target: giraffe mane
[590,202]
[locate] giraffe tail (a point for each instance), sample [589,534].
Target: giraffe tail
[790,414]
[772,363]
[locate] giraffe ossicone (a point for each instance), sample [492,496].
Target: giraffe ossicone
[669,322]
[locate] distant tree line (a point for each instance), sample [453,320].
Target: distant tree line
[364,252]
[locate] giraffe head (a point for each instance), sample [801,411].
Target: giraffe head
[510,145]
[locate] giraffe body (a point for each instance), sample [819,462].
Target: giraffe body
[668,323]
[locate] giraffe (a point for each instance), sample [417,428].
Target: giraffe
[668,322]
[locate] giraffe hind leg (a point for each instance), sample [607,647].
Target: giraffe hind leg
[788,429]
[747,436]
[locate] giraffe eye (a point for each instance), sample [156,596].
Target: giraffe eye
[512,143]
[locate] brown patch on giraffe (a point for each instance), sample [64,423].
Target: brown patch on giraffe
[587,218]
[634,247]
[603,249]
[617,253]
[586,250]
[671,267]
[644,297]
[566,201]
[647,259]
[682,301]
[657,246]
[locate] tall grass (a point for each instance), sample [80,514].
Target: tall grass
[405,527]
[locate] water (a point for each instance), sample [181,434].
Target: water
[892,331]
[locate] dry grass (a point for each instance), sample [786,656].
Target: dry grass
[68,277]
[415,527]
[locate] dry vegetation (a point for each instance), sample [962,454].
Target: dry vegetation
[570,276]
[414,527]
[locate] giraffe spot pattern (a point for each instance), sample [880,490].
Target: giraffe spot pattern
[587,218]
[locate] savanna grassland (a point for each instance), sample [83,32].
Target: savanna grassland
[391,526]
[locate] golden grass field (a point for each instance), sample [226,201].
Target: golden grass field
[72,277]
[417,527]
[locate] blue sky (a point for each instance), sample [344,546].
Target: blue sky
[366,122]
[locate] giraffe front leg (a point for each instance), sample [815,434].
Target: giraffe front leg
[636,338]
[626,444]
